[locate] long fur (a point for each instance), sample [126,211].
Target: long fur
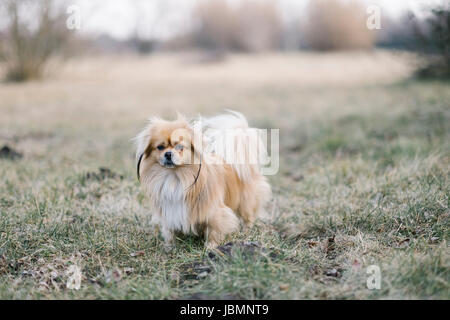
[208,200]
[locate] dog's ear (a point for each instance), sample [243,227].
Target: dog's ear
[143,143]
[142,140]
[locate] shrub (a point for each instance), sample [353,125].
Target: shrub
[337,25]
[398,32]
[434,38]
[260,26]
[250,26]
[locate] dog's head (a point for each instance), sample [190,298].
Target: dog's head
[170,144]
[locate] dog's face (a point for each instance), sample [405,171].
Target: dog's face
[171,144]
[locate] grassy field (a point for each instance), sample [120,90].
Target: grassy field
[363,180]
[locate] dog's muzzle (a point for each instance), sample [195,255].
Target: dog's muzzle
[168,159]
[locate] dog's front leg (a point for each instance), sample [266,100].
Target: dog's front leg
[222,221]
[168,237]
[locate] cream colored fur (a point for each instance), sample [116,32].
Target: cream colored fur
[223,193]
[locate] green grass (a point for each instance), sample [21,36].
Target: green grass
[365,185]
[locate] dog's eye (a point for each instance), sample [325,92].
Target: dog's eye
[160,147]
[179,147]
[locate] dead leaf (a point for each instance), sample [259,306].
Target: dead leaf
[113,276]
[138,253]
[356,264]
[434,239]
[284,287]
[403,243]
[329,245]
[312,243]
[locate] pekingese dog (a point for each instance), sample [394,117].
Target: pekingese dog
[202,176]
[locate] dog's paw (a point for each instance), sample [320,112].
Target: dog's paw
[168,246]
[210,245]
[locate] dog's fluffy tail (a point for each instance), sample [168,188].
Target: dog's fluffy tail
[229,137]
[230,120]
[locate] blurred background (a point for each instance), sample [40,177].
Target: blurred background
[34,32]
[113,64]
[359,90]
[79,67]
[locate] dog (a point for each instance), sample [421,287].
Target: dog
[192,185]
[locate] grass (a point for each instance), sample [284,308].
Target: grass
[364,180]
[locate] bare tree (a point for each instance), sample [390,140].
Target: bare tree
[150,17]
[34,31]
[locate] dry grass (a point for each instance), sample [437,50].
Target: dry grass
[364,179]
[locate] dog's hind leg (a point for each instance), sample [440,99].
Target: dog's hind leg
[252,202]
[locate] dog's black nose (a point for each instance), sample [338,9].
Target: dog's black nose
[168,155]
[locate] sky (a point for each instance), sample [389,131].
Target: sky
[164,18]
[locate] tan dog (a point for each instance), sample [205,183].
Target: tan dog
[191,186]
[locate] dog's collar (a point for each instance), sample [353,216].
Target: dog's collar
[198,173]
[138,166]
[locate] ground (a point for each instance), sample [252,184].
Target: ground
[363,180]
